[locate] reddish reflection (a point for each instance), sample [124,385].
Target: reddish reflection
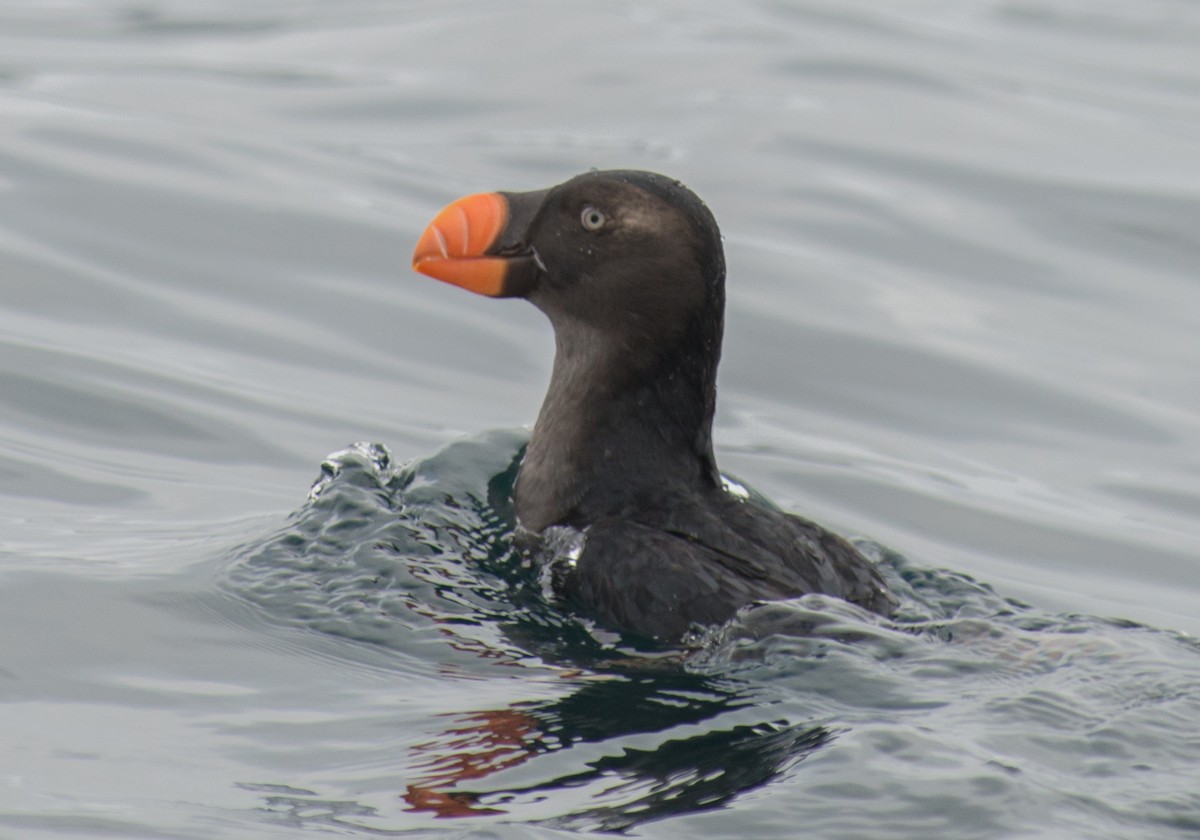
[489,742]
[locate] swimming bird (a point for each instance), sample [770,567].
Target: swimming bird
[628,267]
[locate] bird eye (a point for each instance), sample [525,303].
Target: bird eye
[592,219]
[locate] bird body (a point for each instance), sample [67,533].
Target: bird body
[628,267]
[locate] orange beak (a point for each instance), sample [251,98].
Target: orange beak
[454,247]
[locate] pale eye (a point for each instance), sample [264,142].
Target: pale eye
[592,219]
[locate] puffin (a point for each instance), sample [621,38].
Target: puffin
[628,267]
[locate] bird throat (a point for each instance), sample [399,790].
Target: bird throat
[617,424]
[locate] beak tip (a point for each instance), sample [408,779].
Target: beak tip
[424,265]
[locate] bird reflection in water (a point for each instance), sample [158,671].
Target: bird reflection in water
[628,785]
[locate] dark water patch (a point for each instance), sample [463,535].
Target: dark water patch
[1138,225]
[874,370]
[28,479]
[861,72]
[1155,21]
[86,399]
[894,27]
[80,826]
[157,20]
[412,107]
[1183,500]
[113,148]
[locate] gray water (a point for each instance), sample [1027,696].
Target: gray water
[963,241]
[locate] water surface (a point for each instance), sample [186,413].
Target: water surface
[963,251]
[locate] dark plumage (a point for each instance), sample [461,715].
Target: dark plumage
[629,269]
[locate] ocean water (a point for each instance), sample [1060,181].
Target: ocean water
[256,572]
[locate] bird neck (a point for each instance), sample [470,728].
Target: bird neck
[623,416]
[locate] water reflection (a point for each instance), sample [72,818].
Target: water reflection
[690,772]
